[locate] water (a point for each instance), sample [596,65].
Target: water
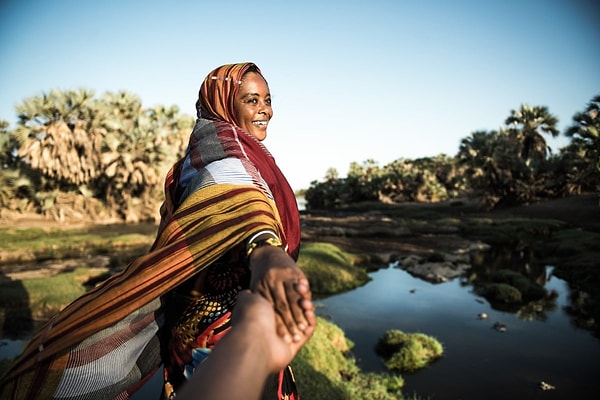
[478,362]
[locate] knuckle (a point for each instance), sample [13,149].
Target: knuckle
[281,306]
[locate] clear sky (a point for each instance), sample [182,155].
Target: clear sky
[351,80]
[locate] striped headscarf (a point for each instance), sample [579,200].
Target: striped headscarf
[218,91]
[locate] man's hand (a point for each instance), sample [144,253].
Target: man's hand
[255,316]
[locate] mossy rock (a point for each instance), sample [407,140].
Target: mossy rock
[408,352]
[529,289]
[502,292]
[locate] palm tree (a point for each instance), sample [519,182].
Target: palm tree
[138,148]
[526,124]
[107,150]
[7,146]
[494,168]
[583,153]
[56,138]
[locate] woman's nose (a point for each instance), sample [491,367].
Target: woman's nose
[262,107]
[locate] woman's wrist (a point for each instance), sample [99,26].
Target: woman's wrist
[256,243]
[270,241]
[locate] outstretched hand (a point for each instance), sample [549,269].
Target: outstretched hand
[254,314]
[277,277]
[248,353]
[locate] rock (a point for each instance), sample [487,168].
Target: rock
[546,386]
[410,261]
[500,327]
[435,272]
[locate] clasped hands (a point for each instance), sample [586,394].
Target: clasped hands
[277,277]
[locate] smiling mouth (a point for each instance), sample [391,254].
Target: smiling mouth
[260,123]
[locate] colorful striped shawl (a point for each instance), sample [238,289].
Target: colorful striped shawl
[106,342]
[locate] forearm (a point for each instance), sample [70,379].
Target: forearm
[250,369]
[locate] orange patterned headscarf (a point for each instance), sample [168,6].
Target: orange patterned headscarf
[217,92]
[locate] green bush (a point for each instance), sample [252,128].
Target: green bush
[404,352]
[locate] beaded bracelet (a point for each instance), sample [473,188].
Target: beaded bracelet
[272,241]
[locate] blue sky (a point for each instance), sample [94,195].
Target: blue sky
[351,80]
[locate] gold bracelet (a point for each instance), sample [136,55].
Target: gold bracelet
[273,242]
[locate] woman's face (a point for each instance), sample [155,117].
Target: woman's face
[253,105]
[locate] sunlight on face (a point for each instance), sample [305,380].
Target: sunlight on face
[253,105]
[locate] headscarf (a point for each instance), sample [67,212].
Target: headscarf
[218,91]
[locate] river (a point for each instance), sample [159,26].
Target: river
[479,362]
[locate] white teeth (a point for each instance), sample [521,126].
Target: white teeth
[260,123]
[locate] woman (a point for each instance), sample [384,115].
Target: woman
[229,159]
[229,222]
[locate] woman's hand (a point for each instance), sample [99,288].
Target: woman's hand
[280,280]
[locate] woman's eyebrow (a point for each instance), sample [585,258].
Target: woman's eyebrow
[254,94]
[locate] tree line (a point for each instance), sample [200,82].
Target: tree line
[75,155]
[510,166]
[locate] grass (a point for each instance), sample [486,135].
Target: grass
[36,244]
[329,269]
[38,299]
[507,230]
[324,370]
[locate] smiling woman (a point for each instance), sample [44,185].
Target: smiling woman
[229,222]
[234,109]
[238,94]
[253,105]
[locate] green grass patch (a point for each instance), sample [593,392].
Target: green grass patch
[324,370]
[41,298]
[507,230]
[501,292]
[37,244]
[329,269]
[408,352]
[574,248]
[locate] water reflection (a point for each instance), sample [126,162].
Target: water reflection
[539,344]
[510,280]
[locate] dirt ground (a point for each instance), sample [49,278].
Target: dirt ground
[582,211]
[373,237]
